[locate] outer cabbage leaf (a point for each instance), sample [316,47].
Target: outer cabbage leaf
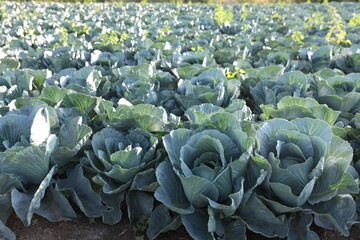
[81,192]
[200,114]
[144,116]
[161,221]
[72,137]
[293,107]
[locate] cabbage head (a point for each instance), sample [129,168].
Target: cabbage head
[211,86]
[207,177]
[123,163]
[271,91]
[310,178]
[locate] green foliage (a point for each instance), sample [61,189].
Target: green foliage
[337,32]
[276,16]
[244,11]
[162,32]
[237,70]
[63,32]
[143,3]
[92,220]
[354,21]
[316,21]
[297,37]
[110,37]
[141,226]
[3,14]
[34,221]
[223,15]
[197,49]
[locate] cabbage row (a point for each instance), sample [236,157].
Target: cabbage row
[221,119]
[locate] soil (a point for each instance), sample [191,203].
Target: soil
[90,229]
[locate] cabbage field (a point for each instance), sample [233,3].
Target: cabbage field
[219,119]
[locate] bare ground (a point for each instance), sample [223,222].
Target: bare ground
[90,229]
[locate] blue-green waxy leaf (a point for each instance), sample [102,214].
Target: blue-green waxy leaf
[229,204]
[73,134]
[53,95]
[299,228]
[199,113]
[173,143]
[324,113]
[105,143]
[139,205]
[196,225]
[128,158]
[338,148]
[55,207]
[72,137]
[222,181]
[339,213]
[85,103]
[198,189]
[272,71]
[145,181]
[287,196]
[144,116]
[268,130]
[211,86]
[7,183]
[334,178]
[170,191]
[26,204]
[140,198]
[295,107]
[350,103]
[223,122]
[260,219]
[234,230]
[162,221]
[112,213]
[29,165]
[80,189]
[123,175]
[5,204]
[12,127]
[186,102]
[8,63]
[6,233]
[314,127]
[293,77]
[288,112]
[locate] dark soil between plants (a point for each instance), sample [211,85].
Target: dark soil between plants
[92,229]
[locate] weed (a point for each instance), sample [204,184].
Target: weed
[336,33]
[297,37]
[92,220]
[223,15]
[355,20]
[141,226]
[34,221]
